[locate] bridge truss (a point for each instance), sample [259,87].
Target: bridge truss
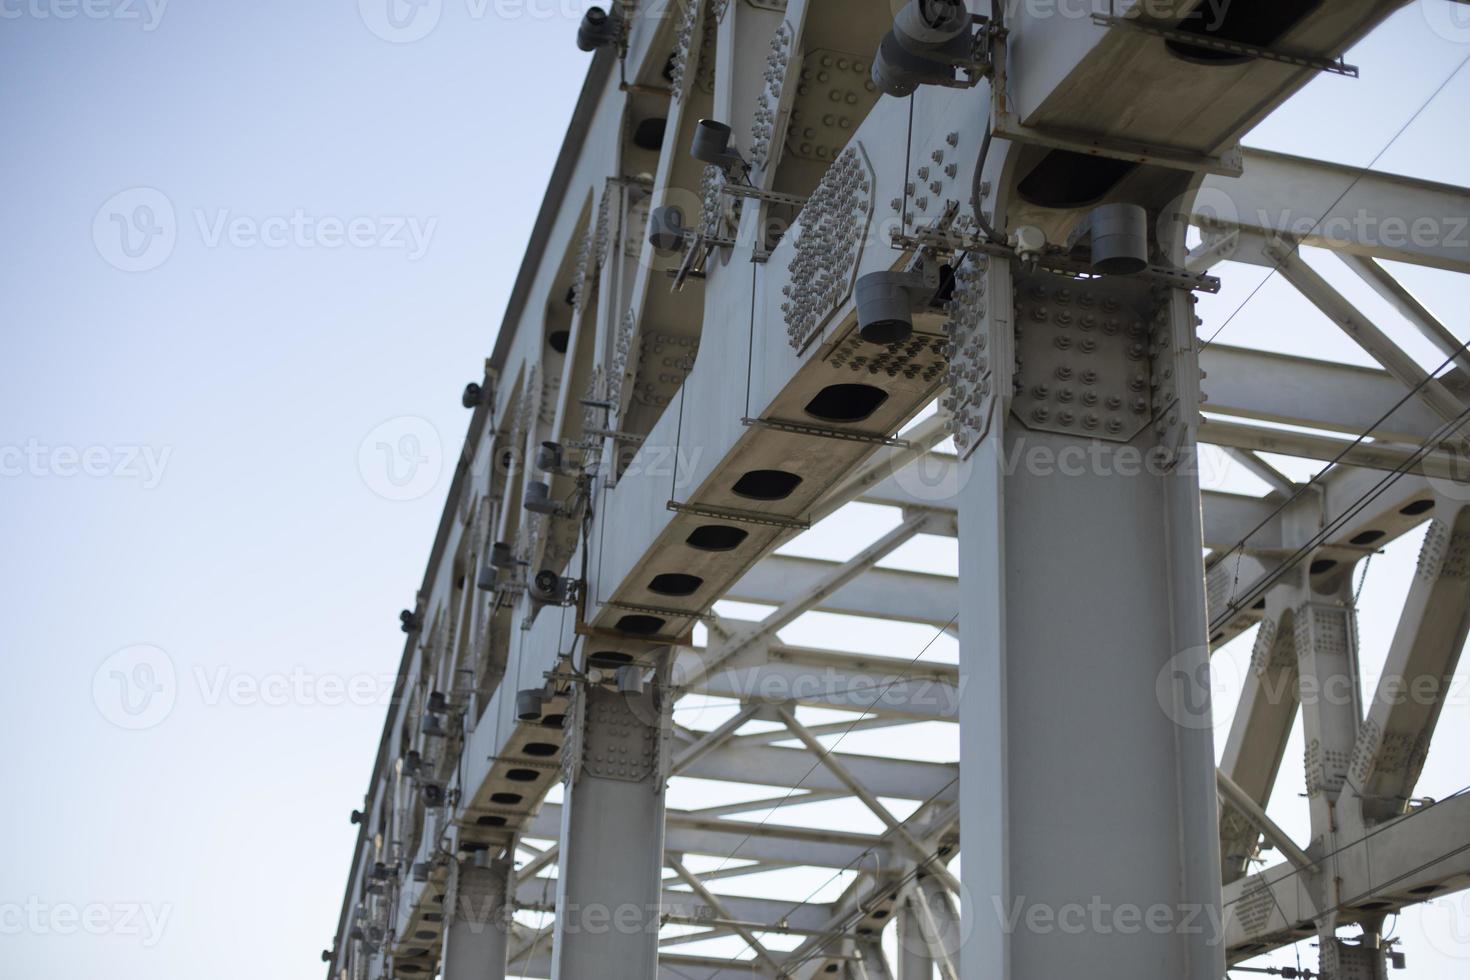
[709,402]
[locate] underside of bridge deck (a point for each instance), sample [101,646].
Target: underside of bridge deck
[832,503]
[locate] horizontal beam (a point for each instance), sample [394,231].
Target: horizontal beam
[1227,516]
[806,919]
[1368,455]
[1383,216]
[769,765]
[882,686]
[1313,394]
[884,593]
[1397,864]
[750,841]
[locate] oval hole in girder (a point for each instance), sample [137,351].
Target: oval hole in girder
[506,799]
[554,721]
[523,775]
[846,403]
[716,537]
[608,659]
[641,625]
[675,583]
[433,916]
[558,340]
[1417,507]
[649,134]
[1367,537]
[1322,566]
[541,750]
[490,821]
[424,934]
[1258,23]
[1066,179]
[766,485]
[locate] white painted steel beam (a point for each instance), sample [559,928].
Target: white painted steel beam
[612,839]
[1361,212]
[475,941]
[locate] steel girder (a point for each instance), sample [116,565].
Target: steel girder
[625,380]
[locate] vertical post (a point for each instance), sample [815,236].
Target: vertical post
[1088,774]
[612,835]
[479,924]
[914,960]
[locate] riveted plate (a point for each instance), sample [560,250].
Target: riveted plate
[1082,352]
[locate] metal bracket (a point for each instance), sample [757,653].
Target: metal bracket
[657,610]
[739,516]
[804,429]
[957,241]
[616,436]
[1335,65]
[760,194]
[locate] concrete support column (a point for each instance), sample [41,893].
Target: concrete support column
[612,835]
[1089,813]
[479,921]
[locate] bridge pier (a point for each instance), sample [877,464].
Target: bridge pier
[612,836]
[475,941]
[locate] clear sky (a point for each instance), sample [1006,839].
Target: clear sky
[250,245]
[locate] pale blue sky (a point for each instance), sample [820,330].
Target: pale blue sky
[252,373]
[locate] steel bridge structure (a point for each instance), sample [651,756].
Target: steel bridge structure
[663,411]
